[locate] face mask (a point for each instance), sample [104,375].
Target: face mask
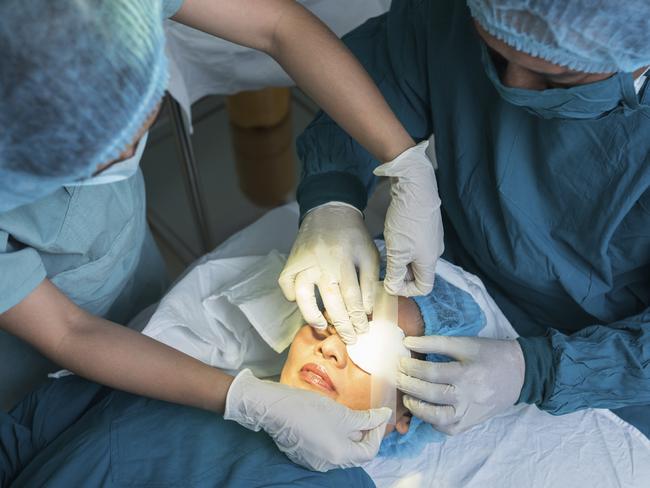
[119,171]
[589,101]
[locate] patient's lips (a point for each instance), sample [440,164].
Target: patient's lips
[316,375]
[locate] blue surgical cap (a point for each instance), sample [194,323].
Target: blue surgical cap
[593,36]
[78,79]
[448,311]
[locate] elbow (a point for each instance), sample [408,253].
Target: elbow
[289,21]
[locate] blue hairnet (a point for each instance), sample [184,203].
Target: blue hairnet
[449,311]
[594,36]
[78,79]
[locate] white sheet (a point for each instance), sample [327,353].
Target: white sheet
[524,447]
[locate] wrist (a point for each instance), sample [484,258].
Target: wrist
[238,408]
[395,148]
[539,370]
[332,186]
[335,204]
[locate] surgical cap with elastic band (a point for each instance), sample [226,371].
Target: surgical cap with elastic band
[593,36]
[78,80]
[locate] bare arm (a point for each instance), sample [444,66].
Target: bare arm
[111,354]
[314,57]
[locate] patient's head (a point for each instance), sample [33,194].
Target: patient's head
[318,361]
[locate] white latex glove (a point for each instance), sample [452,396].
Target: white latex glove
[484,379]
[413,227]
[311,429]
[332,243]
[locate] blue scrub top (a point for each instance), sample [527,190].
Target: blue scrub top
[552,214]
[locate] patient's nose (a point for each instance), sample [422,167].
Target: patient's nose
[333,349]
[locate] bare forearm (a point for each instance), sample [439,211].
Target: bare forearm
[127,360]
[338,83]
[314,57]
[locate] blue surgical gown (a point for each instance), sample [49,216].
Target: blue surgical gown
[74,433]
[552,214]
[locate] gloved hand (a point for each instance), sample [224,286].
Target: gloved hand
[484,379]
[311,429]
[332,244]
[413,227]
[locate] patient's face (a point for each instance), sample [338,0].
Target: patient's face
[318,361]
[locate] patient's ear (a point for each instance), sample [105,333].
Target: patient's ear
[403,422]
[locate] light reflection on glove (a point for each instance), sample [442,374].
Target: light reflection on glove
[485,378]
[332,243]
[311,429]
[413,227]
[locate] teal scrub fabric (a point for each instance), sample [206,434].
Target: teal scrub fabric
[72,432]
[92,242]
[552,214]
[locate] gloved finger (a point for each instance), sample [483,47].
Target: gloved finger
[333,301]
[432,372]
[351,293]
[441,394]
[422,282]
[386,169]
[454,347]
[306,297]
[368,447]
[396,271]
[368,278]
[436,415]
[287,282]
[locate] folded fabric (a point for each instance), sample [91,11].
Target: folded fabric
[230,313]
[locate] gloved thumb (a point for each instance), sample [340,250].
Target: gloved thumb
[369,419]
[423,278]
[396,276]
[386,169]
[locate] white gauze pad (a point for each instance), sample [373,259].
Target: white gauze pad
[379,350]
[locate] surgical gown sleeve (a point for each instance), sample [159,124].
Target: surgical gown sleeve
[21,271]
[607,364]
[597,367]
[392,48]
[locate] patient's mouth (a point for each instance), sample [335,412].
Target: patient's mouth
[316,375]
